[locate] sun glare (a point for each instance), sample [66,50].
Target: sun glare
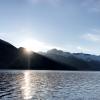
[28,50]
[32,45]
[35,45]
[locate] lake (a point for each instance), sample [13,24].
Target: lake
[49,85]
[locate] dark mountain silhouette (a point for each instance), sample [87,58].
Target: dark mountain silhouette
[7,53]
[78,60]
[16,58]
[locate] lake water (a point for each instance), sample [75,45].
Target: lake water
[48,85]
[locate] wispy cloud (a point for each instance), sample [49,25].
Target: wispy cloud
[91,5]
[2,35]
[91,37]
[53,2]
[88,50]
[82,49]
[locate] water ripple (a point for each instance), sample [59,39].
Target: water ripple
[38,85]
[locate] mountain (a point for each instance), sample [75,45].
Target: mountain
[79,61]
[17,58]
[7,53]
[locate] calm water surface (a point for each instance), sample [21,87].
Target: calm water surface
[46,85]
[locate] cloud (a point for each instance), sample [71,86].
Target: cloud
[91,37]
[91,5]
[83,49]
[3,35]
[53,2]
[88,50]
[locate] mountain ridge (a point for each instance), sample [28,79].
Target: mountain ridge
[17,58]
[79,60]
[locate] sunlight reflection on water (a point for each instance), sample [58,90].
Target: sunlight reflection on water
[44,85]
[26,86]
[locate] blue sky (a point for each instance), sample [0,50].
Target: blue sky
[70,25]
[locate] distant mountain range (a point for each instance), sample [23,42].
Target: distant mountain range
[80,61]
[16,58]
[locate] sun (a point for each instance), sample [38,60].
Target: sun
[32,45]
[28,49]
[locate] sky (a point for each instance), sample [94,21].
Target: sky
[69,25]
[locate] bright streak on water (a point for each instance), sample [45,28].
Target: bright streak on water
[26,87]
[46,85]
